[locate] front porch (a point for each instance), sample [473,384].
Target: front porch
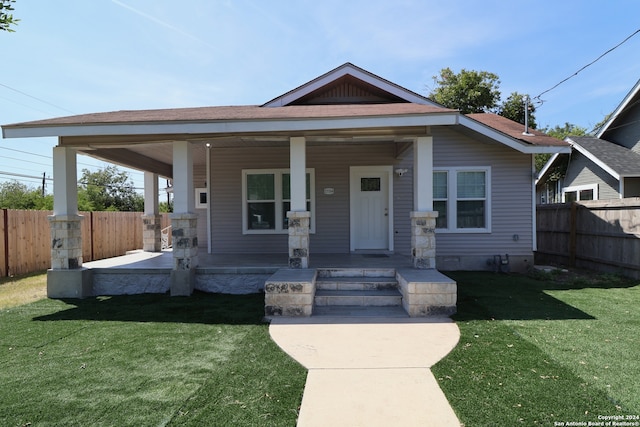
[334,284]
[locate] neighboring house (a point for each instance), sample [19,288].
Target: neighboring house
[346,163]
[604,166]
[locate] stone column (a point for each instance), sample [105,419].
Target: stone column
[151,233]
[423,239]
[66,278]
[151,220]
[184,222]
[299,239]
[184,232]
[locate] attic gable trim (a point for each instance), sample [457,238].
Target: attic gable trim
[593,158]
[498,136]
[356,72]
[235,127]
[623,105]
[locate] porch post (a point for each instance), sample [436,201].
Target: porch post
[184,222]
[66,278]
[298,216]
[423,218]
[151,220]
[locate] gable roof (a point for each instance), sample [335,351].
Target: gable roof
[360,78]
[347,102]
[616,160]
[631,99]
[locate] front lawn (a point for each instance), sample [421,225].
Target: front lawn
[145,360]
[540,352]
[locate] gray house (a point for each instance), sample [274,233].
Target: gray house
[600,167]
[348,163]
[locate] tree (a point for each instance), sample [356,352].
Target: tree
[560,132]
[7,19]
[108,189]
[15,195]
[513,108]
[468,91]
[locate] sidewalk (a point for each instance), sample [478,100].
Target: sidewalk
[369,371]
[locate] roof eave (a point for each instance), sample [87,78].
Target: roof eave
[608,169]
[229,126]
[509,141]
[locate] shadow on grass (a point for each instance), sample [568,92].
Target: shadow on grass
[486,296]
[199,308]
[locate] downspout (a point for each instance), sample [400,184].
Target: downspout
[208,163]
[534,214]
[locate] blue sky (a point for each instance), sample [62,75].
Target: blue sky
[82,56]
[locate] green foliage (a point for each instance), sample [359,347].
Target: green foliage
[108,189]
[513,108]
[15,195]
[561,132]
[165,207]
[468,91]
[6,18]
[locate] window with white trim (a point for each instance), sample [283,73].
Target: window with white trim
[580,192]
[462,198]
[266,195]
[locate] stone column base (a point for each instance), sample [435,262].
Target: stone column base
[76,283]
[184,233]
[423,239]
[299,239]
[427,293]
[151,233]
[66,241]
[290,292]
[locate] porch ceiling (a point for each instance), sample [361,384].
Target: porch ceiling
[154,153]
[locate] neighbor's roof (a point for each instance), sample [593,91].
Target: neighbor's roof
[516,130]
[629,100]
[616,160]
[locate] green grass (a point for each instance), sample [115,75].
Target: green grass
[145,360]
[22,290]
[536,352]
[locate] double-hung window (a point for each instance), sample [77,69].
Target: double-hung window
[266,195]
[461,197]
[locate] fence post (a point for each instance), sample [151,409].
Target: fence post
[5,242]
[573,225]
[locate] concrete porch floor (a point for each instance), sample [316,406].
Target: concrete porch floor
[164,260]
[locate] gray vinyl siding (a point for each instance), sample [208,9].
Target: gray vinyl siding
[582,171]
[511,193]
[331,164]
[511,190]
[626,129]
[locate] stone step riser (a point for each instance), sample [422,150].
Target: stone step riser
[361,301]
[357,272]
[336,285]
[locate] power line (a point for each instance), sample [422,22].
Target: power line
[26,152]
[589,64]
[36,98]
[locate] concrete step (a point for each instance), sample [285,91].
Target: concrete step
[356,272]
[356,283]
[363,298]
[358,311]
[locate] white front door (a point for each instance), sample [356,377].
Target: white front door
[371,208]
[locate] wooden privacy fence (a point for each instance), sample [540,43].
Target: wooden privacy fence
[25,246]
[602,235]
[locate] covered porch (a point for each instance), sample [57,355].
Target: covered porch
[360,284]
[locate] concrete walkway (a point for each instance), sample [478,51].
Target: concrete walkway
[369,371]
